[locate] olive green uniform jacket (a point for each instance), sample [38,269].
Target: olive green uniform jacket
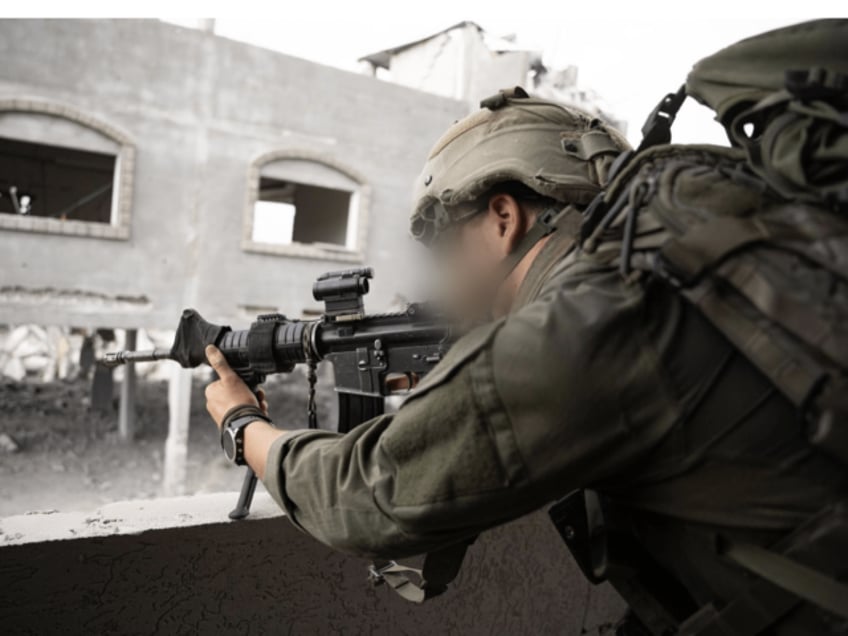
[590,382]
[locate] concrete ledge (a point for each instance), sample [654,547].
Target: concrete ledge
[177,566]
[129,517]
[46,225]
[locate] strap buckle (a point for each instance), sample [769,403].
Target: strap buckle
[547,220]
[657,128]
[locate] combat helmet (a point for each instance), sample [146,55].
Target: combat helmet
[559,152]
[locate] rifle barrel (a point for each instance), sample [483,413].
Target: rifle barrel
[117,358]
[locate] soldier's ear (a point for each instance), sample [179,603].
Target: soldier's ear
[508,216]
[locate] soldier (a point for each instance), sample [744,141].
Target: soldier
[583,372]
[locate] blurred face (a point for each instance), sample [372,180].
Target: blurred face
[469,257]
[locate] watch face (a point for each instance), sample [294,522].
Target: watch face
[229,444]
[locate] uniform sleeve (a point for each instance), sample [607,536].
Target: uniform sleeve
[519,413]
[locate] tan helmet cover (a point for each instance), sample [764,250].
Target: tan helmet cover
[558,151]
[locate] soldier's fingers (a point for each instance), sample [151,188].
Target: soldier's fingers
[263,402]
[218,362]
[401,382]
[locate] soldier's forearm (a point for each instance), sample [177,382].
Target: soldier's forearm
[258,438]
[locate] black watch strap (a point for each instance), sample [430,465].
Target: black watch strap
[240,411]
[240,422]
[232,431]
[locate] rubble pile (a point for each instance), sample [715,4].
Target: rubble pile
[42,352]
[60,353]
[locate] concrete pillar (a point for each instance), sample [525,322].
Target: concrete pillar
[86,356]
[176,445]
[126,413]
[102,389]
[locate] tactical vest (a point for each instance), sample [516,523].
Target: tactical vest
[755,237]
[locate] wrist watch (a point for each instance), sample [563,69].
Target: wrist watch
[232,437]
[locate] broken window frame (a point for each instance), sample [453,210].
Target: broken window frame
[119,226]
[360,193]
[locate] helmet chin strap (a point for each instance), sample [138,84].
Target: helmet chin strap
[545,224]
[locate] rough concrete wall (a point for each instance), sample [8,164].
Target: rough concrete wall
[199,109]
[491,73]
[262,576]
[438,65]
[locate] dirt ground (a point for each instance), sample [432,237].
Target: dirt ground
[70,458]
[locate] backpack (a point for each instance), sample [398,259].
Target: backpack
[756,237]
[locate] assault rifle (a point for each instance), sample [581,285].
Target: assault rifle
[365,351]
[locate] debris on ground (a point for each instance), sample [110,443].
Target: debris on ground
[8,444]
[68,457]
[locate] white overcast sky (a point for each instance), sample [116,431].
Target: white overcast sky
[632,53]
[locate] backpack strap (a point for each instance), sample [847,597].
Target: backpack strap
[687,257]
[795,571]
[794,577]
[795,373]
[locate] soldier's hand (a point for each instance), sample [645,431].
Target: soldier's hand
[229,390]
[400,382]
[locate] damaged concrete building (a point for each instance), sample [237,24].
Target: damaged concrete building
[146,167]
